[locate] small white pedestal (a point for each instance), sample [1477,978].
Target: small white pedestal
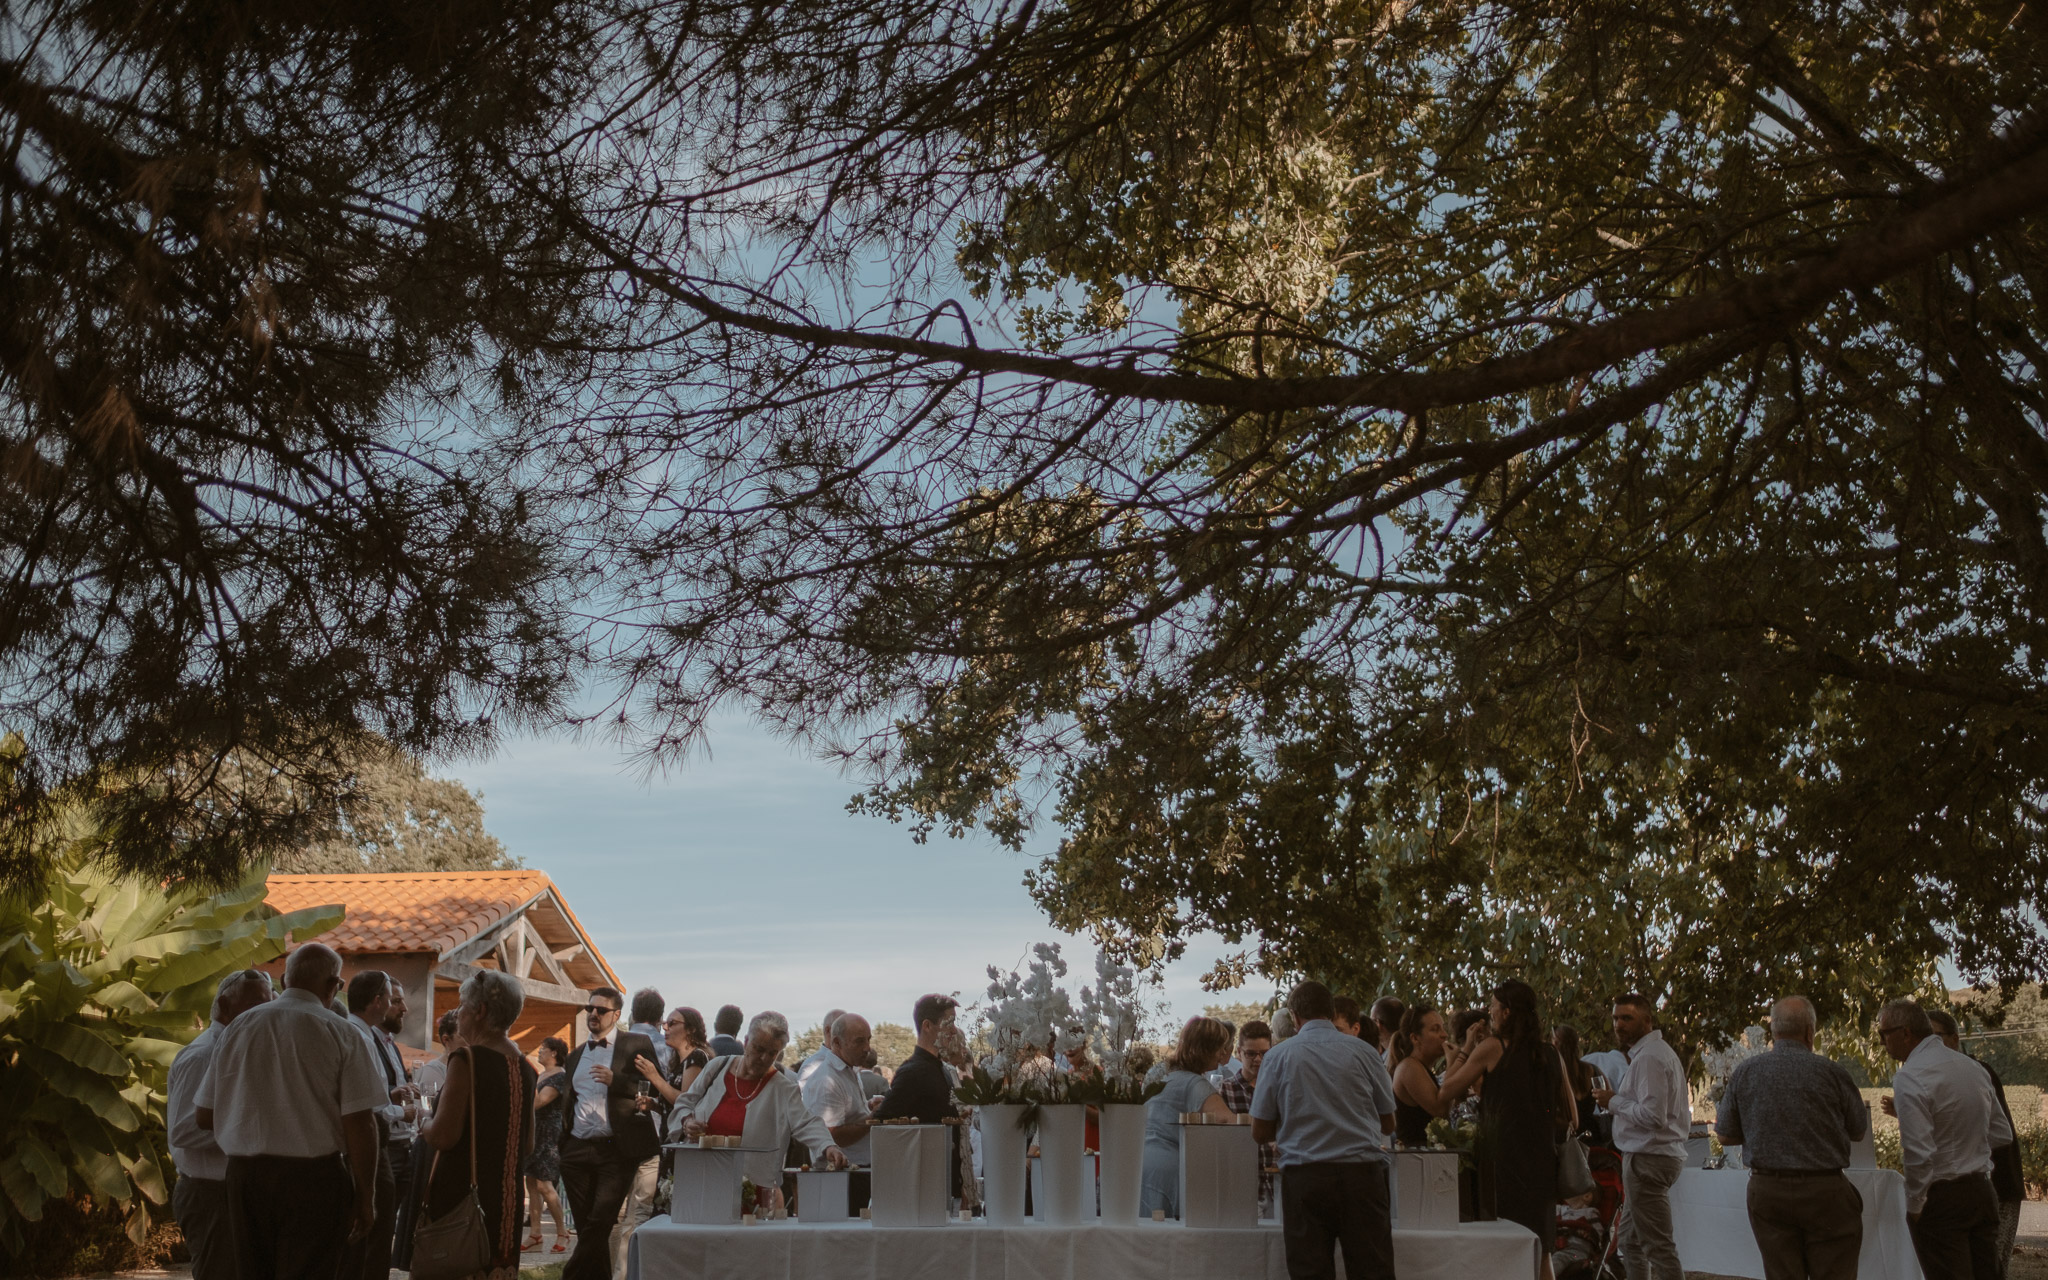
[824,1197]
[1219,1176]
[1426,1190]
[910,1174]
[707,1185]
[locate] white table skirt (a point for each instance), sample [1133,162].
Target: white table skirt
[662,1250]
[1710,1217]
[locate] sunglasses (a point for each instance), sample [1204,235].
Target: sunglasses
[598,1008]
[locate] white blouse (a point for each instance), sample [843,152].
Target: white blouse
[773,1119]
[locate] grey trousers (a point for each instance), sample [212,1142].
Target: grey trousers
[201,1207]
[1648,1249]
[1806,1228]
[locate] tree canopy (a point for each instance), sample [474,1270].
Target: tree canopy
[1438,490]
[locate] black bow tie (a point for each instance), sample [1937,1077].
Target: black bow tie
[602,1044]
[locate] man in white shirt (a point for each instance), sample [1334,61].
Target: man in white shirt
[291,1098]
[1652,1119]
[200,1199]
[372,996]
[1949,1120]
[832,1086]
[824,1050]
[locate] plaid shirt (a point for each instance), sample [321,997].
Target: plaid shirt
[1237,1095]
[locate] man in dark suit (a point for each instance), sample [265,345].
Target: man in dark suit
[608,1135]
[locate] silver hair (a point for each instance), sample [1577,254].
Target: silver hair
[1793,1017]
[1283,1025]
[309,959]
[497,994]
[1907,1014]
[236,979]
[768,1020]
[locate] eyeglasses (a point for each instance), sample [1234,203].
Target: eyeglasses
[594,1009]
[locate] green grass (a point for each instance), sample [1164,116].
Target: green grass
[552,1271]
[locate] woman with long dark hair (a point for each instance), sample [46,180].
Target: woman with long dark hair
[1525,1110]
[1418,1094]
[1578,1074]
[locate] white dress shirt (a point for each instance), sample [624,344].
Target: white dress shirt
[384,1056]
[1949,1118]
[1652,1107]
[284,1074]
[193,1149]
[832,1090]
[592,1120]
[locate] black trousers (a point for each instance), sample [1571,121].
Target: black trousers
[597,1178]
[369,1258]
[1957,1235]
[1327,1205]
[289,1217]
[201,1206]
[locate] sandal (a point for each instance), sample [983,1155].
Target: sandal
[561,1245]
[532,1242]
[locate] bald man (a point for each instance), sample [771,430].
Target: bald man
[292,1098]
[832,1085]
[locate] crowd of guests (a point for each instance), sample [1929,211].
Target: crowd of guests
[306,1149]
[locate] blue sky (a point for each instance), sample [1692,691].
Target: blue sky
[740,878]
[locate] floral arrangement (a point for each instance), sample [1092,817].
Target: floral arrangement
[1721,1063]
[1031,1024]
[1114,1015]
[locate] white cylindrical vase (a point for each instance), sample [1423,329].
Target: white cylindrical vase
[1002,1163]
[1122,1129]
[1061,1129]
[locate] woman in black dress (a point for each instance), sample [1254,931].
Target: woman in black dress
[544,1166]
[490,1078]
[1418,1096]
[1525,1110]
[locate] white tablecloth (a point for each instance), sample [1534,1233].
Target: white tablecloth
[662,1250]
[1710,1214]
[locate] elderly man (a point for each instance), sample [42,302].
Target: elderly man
[1325,1100]
[1794,1114]
[609,1139]
[372,995]
[291,1090]
[832,1086]
[824,1049]
[2006,1176]
[1254,1039]
[200,1199]
[1652,1119]
[1949,1121]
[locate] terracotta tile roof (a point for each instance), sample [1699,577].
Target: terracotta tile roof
[422,911]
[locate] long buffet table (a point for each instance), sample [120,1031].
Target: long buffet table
[857,1250]
[1710,1217]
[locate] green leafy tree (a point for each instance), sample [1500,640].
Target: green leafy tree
[267,296]
[389,815]
[103,978]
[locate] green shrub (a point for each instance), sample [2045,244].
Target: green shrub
[102,981]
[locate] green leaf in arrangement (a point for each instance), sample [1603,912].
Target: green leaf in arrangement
[149,1179]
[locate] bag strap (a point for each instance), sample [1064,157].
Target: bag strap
[472,1117]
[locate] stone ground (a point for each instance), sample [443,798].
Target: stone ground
[2029,1258]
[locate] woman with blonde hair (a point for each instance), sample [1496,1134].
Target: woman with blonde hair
[1204,1044]
[491,1080]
